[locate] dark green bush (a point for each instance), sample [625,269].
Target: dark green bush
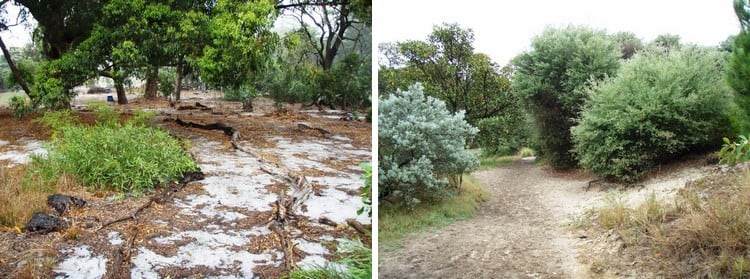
[504,134]
[660,105]
[550,79]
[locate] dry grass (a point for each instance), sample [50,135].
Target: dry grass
[19,200]
[703,232]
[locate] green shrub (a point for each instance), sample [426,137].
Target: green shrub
[112,157]
[421,145]
[503,134]
[105,114]
[733,153]
[19,106]
[366,190]
[661,105]
[550,79]
[354,262]
[242,93]
[166,82]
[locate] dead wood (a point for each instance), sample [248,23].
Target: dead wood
[591,183]
[166,194]
[326,221]
[323,132]
[357,226]
[122,257]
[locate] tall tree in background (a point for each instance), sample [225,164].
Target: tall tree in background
[326,26]
[4,26]
[550,79]
[449,68]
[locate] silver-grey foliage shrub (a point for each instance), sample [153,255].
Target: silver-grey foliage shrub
[660,105]
[421,145]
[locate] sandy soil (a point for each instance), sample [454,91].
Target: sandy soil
[523,231]
[218,226]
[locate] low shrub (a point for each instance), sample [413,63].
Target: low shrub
[661,105]
[110,156]
[733,153]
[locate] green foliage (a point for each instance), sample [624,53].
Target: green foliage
[111,157]
[241,93]
[241,42]
[550,79]
[19,106]
[352,81]
[504,134]
[421,144]
[366,190]
[354,261]
[661,105]
[105,114]
[738,77]
[629,44]
[166,82]
[733,153]
[450,70]
[667,41]
[56,120]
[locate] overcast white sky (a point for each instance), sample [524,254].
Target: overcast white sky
[504,29]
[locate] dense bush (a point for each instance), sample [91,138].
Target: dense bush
[421,146]
[111,156]
[550,79]
[504,134]
[659,106]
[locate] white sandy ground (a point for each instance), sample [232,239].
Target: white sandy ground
[21,154]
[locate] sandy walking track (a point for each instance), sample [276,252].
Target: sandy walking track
[520,232]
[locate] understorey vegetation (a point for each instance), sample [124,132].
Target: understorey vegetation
[111,156]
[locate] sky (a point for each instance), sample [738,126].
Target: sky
[504,29]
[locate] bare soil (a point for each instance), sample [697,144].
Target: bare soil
[524,229]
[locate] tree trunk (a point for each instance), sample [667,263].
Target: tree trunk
[178,80]
[122,99]
[152,83]
[13,69]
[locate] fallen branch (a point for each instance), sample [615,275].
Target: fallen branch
[325,133]
[357,226]
[166,194]
[326,221]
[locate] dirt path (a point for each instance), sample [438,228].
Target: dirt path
[519,233]
[523,230]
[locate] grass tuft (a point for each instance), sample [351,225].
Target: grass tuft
[354,261]
[704,232]
[396,223]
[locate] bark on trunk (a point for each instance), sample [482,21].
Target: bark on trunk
[152,83]
[122,99]
[14,69]
[178,80]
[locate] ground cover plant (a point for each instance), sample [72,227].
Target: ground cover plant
[128,157]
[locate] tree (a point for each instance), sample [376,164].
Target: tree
[421,146]
[550,79]
[333,22]
[17,74]
[629,44]
[667,41]
[738,68]
[450,70]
